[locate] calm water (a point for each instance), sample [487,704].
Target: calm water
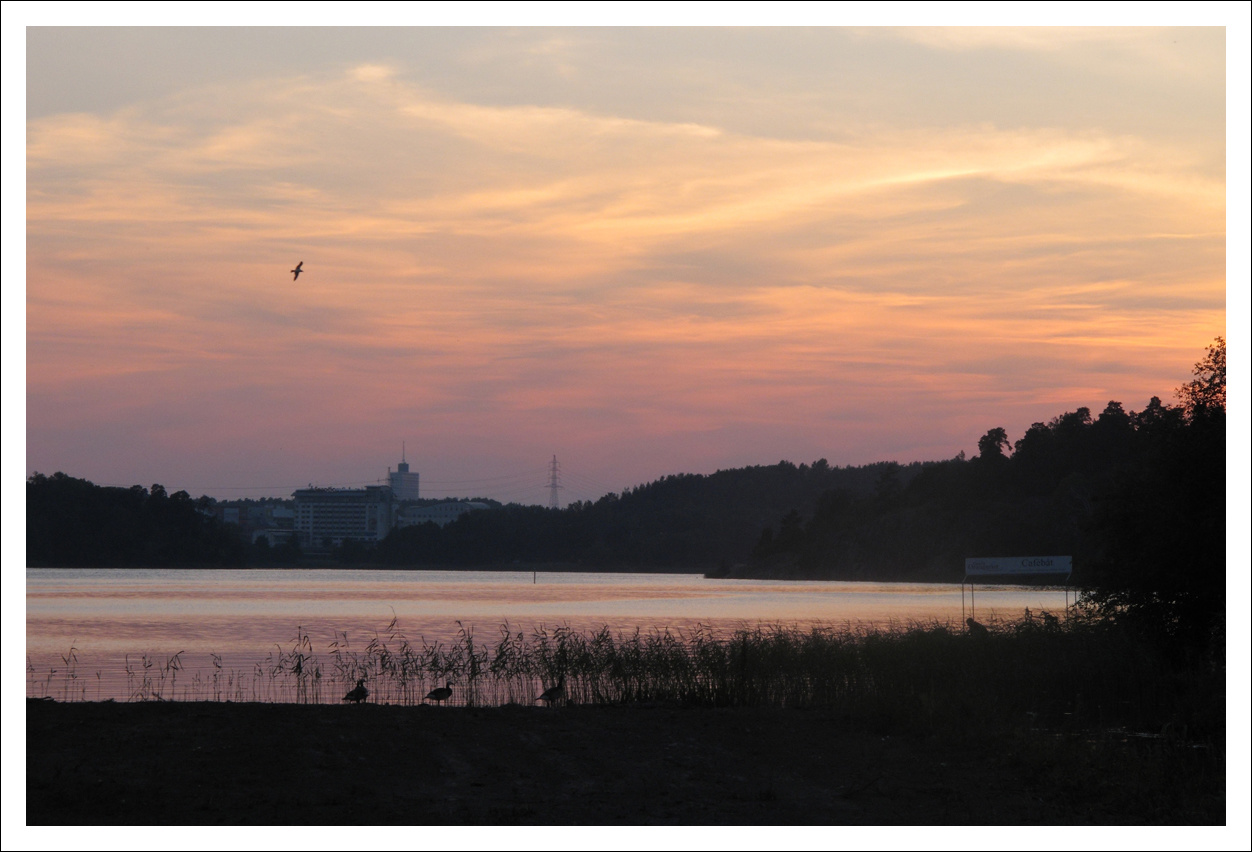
[115,619]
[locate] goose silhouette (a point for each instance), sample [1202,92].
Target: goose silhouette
[976,629]
[553,694]
[359,694]
[442,694]
[297,270]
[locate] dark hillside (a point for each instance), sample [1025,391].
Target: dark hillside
[75,523]
[685,520]
[1040,499]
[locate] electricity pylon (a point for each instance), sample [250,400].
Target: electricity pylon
[554,484]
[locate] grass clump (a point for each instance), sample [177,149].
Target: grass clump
[1035,672]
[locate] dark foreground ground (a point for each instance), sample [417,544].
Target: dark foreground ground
[197,763]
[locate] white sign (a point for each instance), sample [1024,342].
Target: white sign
[1019,565]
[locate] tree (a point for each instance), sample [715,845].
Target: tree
[1114,416]
[1156,417]
[75,522]
[1161,527]
[1206,394]
[994,445]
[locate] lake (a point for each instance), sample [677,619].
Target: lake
[187,626]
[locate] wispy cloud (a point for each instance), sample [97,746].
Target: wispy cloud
[561,271]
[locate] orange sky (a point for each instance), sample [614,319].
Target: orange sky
[646,251]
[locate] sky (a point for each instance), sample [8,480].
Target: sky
[640,250]
[643,250]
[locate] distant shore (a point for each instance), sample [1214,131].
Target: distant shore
[516,567]
[737,572]
[270,764]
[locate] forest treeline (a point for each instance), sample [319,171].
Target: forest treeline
[1067,486]
[689,521]
[1136,497]
[75,523]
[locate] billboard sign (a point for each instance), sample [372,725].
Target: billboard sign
[1008,565]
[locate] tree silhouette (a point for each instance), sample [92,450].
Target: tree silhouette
[1206,393]
[994,445]
[75,522]
[1161,528]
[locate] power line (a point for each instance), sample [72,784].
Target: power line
[506,477]
[589,483]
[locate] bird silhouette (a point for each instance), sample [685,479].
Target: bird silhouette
[359,694]
[297,270]
[553,694]
[976,629]
[442,694]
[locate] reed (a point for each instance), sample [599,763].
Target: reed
[1033,672]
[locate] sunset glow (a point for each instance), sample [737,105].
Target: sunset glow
[644,251]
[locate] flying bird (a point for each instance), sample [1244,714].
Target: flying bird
[443,693]
[554,693]
[359,694]
[297,270]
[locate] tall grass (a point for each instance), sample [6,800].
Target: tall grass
[1036,671]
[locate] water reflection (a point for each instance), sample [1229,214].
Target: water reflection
[238,617]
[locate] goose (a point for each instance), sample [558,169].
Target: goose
[555,693]
[976,629]
[443,693]
[359,694]
[297,270]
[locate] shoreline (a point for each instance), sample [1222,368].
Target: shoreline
[642,764]
[553,568]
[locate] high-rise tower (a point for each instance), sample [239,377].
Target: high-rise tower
[404,485]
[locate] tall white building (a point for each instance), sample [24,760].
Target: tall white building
[404,485]
[327,516]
